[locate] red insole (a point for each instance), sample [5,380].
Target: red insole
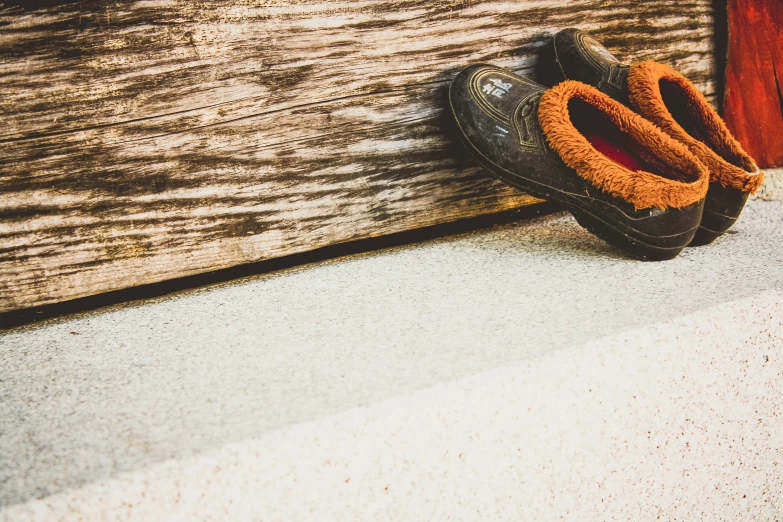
[616,152]
[606,138]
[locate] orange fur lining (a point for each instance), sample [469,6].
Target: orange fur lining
[643,189]
[727,162]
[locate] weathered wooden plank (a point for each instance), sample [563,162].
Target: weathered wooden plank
[148,140]
[130,60]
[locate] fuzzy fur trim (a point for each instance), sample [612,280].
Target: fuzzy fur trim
[643,189]
[727,162]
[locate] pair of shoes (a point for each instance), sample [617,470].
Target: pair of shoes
[650,181]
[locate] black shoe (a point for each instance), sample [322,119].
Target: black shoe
[643,192]
[674,104]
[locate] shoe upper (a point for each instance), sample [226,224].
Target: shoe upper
[582,58]
[500,118]
[674,104]
[497,114]
[618,150]
[685,115]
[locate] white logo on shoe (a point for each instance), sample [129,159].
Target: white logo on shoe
[496,88]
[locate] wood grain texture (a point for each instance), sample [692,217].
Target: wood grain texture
[147,140]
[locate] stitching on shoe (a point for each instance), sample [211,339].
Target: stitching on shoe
[529,136]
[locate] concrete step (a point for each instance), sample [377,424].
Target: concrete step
[524,372]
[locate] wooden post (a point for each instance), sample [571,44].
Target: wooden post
[753,106]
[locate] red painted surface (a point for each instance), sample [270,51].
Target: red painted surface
[754,78]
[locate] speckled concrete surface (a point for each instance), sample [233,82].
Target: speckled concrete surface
[772,190]
[423,368]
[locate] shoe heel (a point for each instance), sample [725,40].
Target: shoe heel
[705,237]
[713,225]
[547,69]
[633,246]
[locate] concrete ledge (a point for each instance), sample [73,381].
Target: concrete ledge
[677,421]
[525,372]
